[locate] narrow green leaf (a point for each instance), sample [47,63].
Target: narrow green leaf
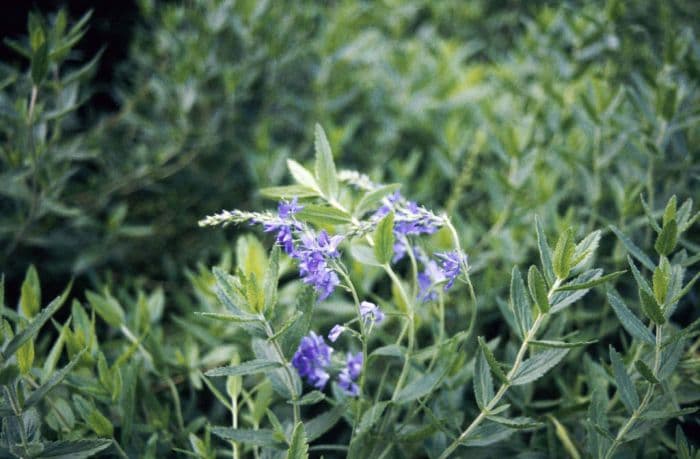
[260,437]
[326,176]
[650,214]
[324,422]
[384,239]
[682,448]
[538,365]
[629,321]
[371,416]
[519,302]
[564,298]
[421,386]
[288,192]
[492,362]
[660,280]
[545,252]
[33,328]
[488,433]
[311,398]
[538,289]
[585,249]
[653,415]
[651,308]
[323,215]
[483,383]
[635,251]
[625,387]
[646,372]
[371,200]
[40,64]
[271,279]
[30,296]
[303,176]
[561,344]
[41,391]
[592,283]
[364,254]
[562,257]
[246,368]
[74,449]
[670,211]
[291,320]
[518,422]
[107,307]
[565,438]
[299,447]
[228,317]
[667,238]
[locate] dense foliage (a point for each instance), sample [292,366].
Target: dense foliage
[489,239]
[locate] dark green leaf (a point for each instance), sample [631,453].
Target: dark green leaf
[40,64]
[324,422]
[371,416]
[299,447]
[625,387]
[591,283]
[518,422]
[246,368]
[260,437]
[635,251]
[41,391]
[75,449]
[519,302]
[311,398]
[483,383]
[421,386]
[650,308]
[487,434]
[646,372]
[667,238]
[561,344]
[536,366]
[492,362]
[629,321]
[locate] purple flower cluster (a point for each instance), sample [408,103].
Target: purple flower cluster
[449,269]
[451,265]
[311,360]
[349,374]
[285,224]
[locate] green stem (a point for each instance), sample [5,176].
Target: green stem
[411,329]
[288,372]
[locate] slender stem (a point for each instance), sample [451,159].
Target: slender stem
[411,329]
[619,438]
[234,423]
[288,372]
[529,336]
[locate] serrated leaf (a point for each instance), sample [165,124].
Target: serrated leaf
[562,257]
[229,317]
[591,283]
[561,344]
[492,362]
[384,239]
[326,176]
[645,371]
[660,280]
[483,383]
[585,249]
[373,198]
[246,368]
[25,357]
[259,437]
[33,328]
[545,252]
[324,422]
[302,175]
[519,302]
[667,238]
[371,416]
[650,215]
[299,447]
[670,211]
[632,248]
[421,386]
[288,192]
[565,298]
[488,433]
[323,215]
[538,289]
[74,449]
[653,415]
[311,398]
[518,422]
[625,387]
[30,296]
[650,308]
[538,365]
[107,307]
[40,392]
[629,321]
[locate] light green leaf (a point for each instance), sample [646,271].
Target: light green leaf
[303,176]
[562,258]
[364,254]
[561,344]
[492,362]
[371,200]
[384,239]
[625,387]
[421,386]
[271,279]
[585,249]
[670,211]
[536,366]
[107,307]
[323,215]
[635,251]
[651,308]
[311,398]
[518,422]
[74,449]
[667,238]
[519,302]
[246,368]
[591,283]
[629,321]
[259,437]
[564,298]
[538,289]
[326,176]
[41,391]
[299,447]
[30,296]
[545,252]
[288,192]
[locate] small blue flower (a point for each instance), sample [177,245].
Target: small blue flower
[313,255]
[335,333]
[451,265]
[288,209]
[370,311]
[312,358]
[349,374]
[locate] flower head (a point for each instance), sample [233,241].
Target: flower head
[349,374]
[429,277]
[451,265]
[312,358]
[370,311]
[313,254]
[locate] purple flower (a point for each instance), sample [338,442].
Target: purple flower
[311,359]
[288,209]
[451,265]
[426,279]
[349,374]
[285,224]
[335,333]
[313,254]
[370,311]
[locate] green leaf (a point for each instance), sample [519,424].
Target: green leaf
[561,344]
[74,449]
[33,328]
[107,307]
[364,254]
[290,338]
[371,200]
[291,320]
[563,254]
[483,383]
[421,386]
[625,387]
[288,192]
[591,283]
[629,321]
[40,64]
[536,366]
[641,282]
[565,298]
[660,280]
[271,279]
[667,238]
[635,251]
[324,422]
[371,416]
[323,215]
[545,252]
[384,239]
[670,211]
[538,289]
[492,362]
[30,297]
[228,317]
[259,437]
[55,379]
[585,249]
[303,176]
[653,415]
[649,214]
[682,448]
[518,422]
[488,433]
[310,398]
[645,371]
[25,357]
[325,167]
[299,447]
[246,368]
[651,308]
[230,294]
[519,302]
